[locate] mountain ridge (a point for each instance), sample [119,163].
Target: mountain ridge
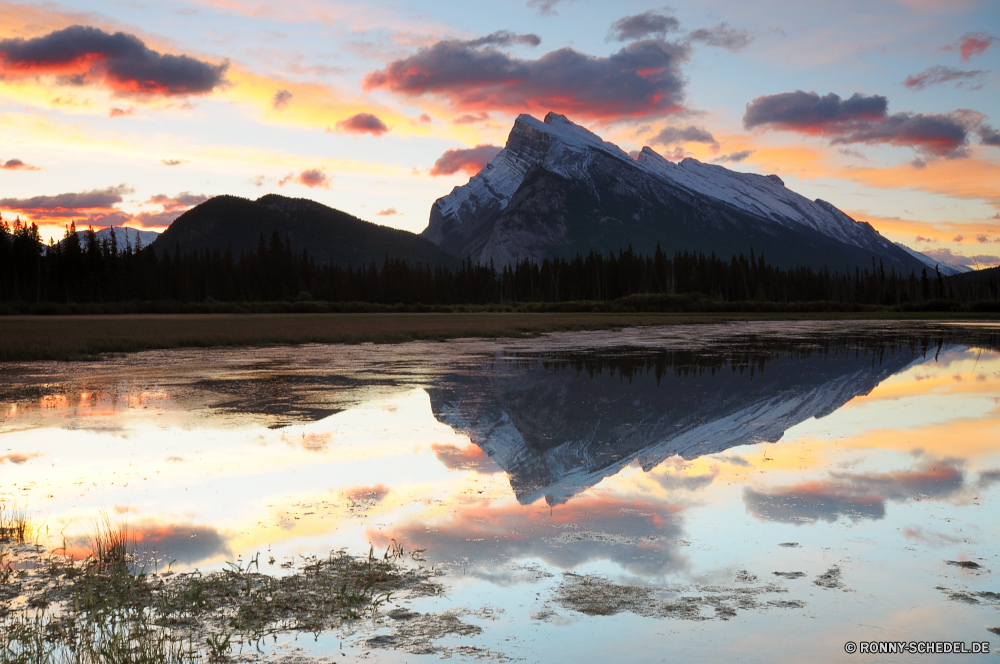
[685,206]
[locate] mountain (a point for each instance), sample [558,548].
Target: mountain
[123,234]
[557,189]
[947,269]
[329,235]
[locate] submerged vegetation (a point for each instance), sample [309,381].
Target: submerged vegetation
[105,609]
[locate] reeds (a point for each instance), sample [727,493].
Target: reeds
[15,525]
[112,546]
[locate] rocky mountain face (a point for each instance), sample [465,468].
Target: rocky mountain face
[557,189]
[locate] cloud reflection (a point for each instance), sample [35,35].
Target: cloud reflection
[642,536]
[855,496]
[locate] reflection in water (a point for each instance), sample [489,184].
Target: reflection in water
[836,466]
[856,495]
[560,424]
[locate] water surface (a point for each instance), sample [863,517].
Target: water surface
[766,491]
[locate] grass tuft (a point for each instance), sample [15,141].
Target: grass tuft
[15,525]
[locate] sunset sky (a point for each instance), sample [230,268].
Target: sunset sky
[130,112]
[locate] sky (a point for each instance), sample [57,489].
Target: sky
[129,113]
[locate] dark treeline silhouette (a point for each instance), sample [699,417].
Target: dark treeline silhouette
[83,269]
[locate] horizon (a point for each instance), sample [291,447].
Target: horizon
[139,113]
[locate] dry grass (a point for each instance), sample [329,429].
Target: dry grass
[15,525]
[28,338]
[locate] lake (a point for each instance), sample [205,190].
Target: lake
[760,491]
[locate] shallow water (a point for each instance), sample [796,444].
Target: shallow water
[765,492]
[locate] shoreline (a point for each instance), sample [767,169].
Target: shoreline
[80,338]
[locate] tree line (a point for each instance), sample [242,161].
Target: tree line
[84,269]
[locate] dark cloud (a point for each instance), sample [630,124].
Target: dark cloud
[957,238]
[851,152]
[17,165]
[989,478]
[860,119]
[506,38]
[281,99]
[690,134]
[388,212]
[735,156]
[940,74]
[988,135]
[363,123]
[69,204]
[723,36]
[85,55]
[470,161]
[172,207]
[470,457]
[972,43]
[640,536]
[174,162]
[650,23]
[642,79]
[855,496]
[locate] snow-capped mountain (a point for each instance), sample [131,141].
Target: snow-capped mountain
[133,236]
[558,189]
[947,269]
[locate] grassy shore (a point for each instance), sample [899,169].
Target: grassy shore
[29,338]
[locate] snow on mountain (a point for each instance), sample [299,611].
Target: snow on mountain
[462,222]
[131,235]
[947,269]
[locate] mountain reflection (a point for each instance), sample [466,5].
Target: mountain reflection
[558,424]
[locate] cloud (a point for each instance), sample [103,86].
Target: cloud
[642,79]
[988,135]
[424,118]
[311,178]
[470,161]
[945,255]
[723,36]
[941,74]
[470,118]
[388,212]
[174,162]
[856,496]
[851,152]
[69,204]
[281,99]
[17,165]
[689,134]
[972,43]
[860,119]
[639,26]
[171,208]
[370,493]
[470,457]
[82,55]
[735,156]
[259,180]
[957,238]
[362,123]
[640,536]
[545,7]
[120,112]
[672,481]
[506,38]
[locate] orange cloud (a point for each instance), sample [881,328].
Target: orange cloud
[17,165]
[18,459]
[470,457]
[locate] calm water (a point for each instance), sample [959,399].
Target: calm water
[765,492]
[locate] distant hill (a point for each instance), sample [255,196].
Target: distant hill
[130,234]
[329,235]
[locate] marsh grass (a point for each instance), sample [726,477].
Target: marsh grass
[104,611]
[15,525]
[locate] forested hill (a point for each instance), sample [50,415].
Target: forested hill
[330,236]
